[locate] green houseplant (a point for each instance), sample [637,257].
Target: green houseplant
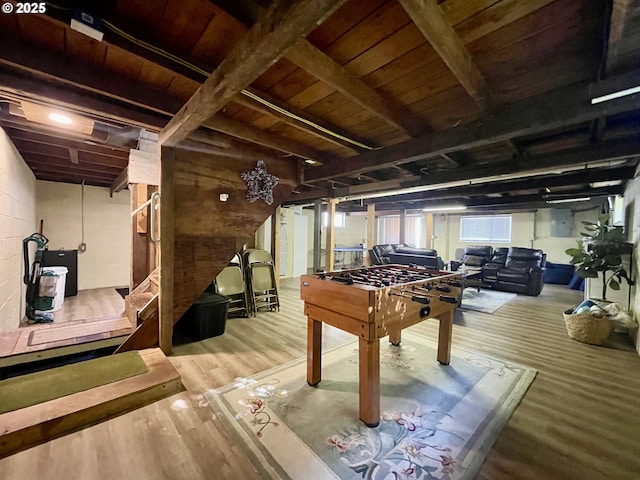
[598,254]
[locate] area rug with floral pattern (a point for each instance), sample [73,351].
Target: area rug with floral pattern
[437,421]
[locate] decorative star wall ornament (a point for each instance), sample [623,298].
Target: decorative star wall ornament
[260,183]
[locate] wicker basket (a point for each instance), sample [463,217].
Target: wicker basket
[586,328]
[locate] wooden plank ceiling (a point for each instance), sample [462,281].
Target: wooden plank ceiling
[483,102]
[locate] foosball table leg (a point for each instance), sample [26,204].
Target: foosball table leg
[314,351]
[369,370]
[395,338]
[444,337]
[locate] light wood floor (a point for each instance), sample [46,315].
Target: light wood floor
[580,418]
[92,319]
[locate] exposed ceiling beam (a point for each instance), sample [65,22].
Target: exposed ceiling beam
[253,134]
[121,182]
[298,119]
[428,17]
[20,135]
[60,70]
[275,31]
[534,164]
[579,178]
[312,60]
[553,110]
[513,199]
[620,13]
[618,18]
[15,87]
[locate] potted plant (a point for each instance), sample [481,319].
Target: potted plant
[598,254]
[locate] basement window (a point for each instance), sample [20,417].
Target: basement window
[485,228]
[339,221]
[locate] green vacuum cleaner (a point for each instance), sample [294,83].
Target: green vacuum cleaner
[41,285]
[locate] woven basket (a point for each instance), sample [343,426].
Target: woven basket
[586,328]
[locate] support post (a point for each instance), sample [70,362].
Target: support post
[331,234]
[371,221]
[403,226]
[317,234]
[275,244]
[429,230]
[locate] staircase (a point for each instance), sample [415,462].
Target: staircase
[141,308]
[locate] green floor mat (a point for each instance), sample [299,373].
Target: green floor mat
[33,388]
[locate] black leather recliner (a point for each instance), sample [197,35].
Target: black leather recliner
[490,269]
[425,257]
[523,272]
[475,257]
[380,253]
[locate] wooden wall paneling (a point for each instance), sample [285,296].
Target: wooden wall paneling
[206,231]
[167,247]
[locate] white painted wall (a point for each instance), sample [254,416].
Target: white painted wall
[106,262]
[17,221]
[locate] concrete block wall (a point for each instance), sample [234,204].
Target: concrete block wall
[107,231]
[17,221]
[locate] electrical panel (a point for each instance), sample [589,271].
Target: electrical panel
[561,222]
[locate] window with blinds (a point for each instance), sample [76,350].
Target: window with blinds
[486,228]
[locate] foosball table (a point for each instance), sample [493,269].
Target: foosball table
[372,303]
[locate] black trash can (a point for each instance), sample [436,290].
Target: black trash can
[207,317]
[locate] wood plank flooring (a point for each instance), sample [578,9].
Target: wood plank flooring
[580,418]
[90,320]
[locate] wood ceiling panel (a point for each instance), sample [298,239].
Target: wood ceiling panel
[60,141]
[500,14]
[546,77]
[155,77]
[534,24]
[141,13]
[69,178]
[385,21]
[81,48]
[122,63]
[182,88]
[87,168]
[404,40]
[279,70]
[218,38]
[342,20]
[293,84]
[41,32]
[181,28]
[311,95]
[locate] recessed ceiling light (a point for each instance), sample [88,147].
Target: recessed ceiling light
[310,162]
[60,118]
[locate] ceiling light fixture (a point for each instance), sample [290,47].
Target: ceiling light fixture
[446,208]
[569,200]
[54,116]
[60,118]
[614,95]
